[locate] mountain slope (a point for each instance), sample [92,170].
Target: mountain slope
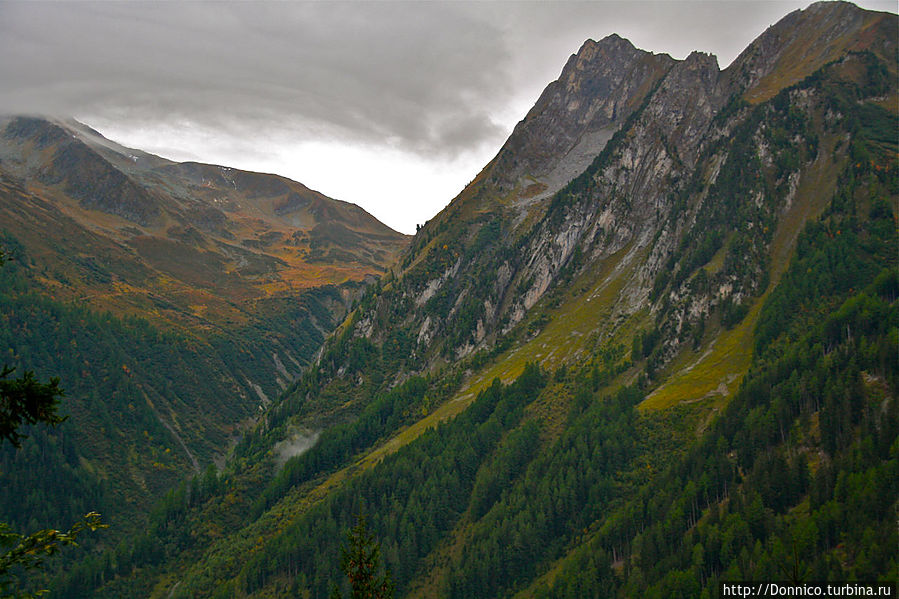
[237,235]
[174,301]
[582,376]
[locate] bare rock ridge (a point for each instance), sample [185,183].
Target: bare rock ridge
[618,157]
[605,81]
[576,115]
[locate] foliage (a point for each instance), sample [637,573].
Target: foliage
[126,377]
[360,560]
[414,496]
[25,400]
[386,413]
[27,553]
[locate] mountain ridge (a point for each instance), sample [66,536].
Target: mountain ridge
[263,234]
[673,143]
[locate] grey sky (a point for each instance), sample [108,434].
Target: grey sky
[394,106]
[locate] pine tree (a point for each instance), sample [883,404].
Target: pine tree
[360,560]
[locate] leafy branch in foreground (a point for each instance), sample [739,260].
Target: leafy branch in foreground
[28,552]
[25,400]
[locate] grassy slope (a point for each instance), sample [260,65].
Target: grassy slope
[721,364]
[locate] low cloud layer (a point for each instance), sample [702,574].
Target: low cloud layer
[420,94]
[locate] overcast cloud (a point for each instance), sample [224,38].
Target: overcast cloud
[371,73]
[394,106]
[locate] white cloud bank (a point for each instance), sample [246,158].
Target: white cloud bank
[394,106]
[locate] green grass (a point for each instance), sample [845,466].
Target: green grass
[719,370]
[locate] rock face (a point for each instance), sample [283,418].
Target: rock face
[576,115]
[629,157]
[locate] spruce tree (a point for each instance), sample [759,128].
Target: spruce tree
[360,560]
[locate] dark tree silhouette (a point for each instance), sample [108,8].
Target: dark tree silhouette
[25,400]
[360,560]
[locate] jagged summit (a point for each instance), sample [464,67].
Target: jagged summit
[575,116]
[606,80]
[609,44]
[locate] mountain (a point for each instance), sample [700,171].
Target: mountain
[174,301]
[214,236]
[649,348]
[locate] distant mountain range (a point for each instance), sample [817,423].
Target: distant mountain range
[209,239]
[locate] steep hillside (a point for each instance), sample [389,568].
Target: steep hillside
[174,301]
[648,348]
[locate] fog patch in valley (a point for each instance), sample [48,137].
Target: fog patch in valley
[298,442]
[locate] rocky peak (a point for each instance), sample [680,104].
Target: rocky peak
[701,62]
[687,99]
[611,51]
[576,115]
